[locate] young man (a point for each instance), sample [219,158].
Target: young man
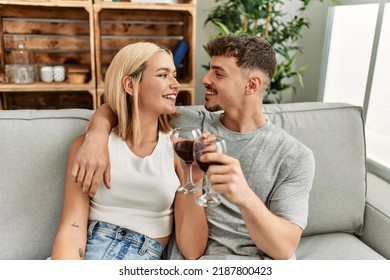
[266,175]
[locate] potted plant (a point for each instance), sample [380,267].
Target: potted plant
[267,18]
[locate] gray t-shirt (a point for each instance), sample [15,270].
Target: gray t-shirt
[278,168]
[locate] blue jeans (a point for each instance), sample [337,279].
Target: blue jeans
[110,242]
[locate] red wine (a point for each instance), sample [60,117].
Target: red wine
[203,165]
[184,150]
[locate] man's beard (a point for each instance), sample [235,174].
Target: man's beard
[214,108]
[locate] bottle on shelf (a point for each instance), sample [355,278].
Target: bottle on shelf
[21,70]
[21,55]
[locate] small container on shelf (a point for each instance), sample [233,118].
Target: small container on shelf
[46,74]
[59,73]
[21,73]
[77,74]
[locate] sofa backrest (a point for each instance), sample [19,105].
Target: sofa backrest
[33,154]
[335,134]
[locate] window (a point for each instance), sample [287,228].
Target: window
[357,71]
[378,114]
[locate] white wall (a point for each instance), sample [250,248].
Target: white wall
[203,34]
[312,43]
[313,46]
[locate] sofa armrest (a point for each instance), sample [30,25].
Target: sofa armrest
[376,233]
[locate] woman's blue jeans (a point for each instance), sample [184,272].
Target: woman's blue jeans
[110,242]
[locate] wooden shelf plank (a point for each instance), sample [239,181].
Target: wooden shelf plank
[49,3]
[55,86]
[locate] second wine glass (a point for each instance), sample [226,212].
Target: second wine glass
[209,144]
[183,142]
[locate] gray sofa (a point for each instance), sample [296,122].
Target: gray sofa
[346,220]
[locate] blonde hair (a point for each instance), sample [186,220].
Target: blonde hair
[131,61]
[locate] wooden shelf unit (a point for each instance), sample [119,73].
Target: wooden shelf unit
[90,33]
[120,23]
[57,33]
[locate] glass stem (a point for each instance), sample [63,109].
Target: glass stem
[206,184]
[189,174]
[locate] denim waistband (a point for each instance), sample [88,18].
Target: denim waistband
[126,235]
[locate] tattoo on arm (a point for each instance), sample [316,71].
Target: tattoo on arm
[81,253]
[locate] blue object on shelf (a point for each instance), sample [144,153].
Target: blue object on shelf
[179,53]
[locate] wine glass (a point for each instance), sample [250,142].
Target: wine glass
[208,144]
[183,142]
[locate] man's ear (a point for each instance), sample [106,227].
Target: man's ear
[127,83]
[253,85]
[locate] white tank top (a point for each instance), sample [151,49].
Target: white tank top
[142,189]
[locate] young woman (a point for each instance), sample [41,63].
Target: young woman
[133,218]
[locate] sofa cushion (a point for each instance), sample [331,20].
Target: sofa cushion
[377,216]
[335,246]
[33,153]
[335,134]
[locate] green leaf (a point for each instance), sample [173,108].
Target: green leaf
[223,29]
